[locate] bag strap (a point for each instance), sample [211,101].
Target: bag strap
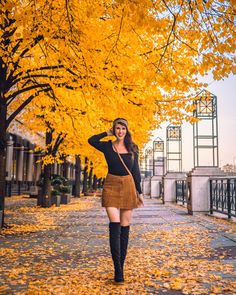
[126,168]
[122,161]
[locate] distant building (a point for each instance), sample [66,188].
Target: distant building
[229,168]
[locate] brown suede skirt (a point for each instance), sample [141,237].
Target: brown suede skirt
[119,192]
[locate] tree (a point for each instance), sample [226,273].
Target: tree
[77,176]
[140,57]
[25,67]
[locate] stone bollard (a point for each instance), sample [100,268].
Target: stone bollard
[199,188]
[147,186]
[56,199]
[155,186]
[65,198]
[9,160]
[169,180]
[34,191]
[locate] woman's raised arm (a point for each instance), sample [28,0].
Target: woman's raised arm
[95,141]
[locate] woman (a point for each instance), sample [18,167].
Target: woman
[119,195]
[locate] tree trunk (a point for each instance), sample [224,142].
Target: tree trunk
[65,167]
[77,175]
[3,116]
[90,180]
[46,189]
[99,182]
[85,179]
[95,184]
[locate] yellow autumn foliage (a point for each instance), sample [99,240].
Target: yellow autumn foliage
[77,65]
[57,250]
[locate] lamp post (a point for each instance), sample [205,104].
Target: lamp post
[174,176]
[148,153]
[205,131]
[174,147]
[205,150]
[157,167]
[158,157]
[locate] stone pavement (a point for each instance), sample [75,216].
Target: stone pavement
[65,251]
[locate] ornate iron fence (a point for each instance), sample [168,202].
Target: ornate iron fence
[181,191]
[223,196]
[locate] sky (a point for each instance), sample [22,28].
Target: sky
[225,90]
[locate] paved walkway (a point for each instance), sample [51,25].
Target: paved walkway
[65,251]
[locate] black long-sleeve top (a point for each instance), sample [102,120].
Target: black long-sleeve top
[114,163]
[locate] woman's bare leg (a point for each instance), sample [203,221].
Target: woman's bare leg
[113,214]
[125,217]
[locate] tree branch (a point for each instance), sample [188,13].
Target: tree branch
[118,36]
[37,76]
[36,41]
[58,142]
[134,103]
[15,94]
[23,105]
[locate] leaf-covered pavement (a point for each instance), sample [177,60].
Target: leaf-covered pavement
[65,251]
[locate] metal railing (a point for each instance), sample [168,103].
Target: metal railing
[18,187]
[161,190]
[181,191]
[223,195]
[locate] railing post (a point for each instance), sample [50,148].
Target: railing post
[19,188]
[211,197]
[10,190]
[162,191]
[234,196]
[228,198]
[185,191]
[176,191]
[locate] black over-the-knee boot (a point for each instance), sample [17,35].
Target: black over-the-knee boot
[114,235]
[124,240]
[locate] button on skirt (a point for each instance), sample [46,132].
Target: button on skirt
[119,192]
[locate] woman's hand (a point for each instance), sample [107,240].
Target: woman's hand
[110,132]
[140,200]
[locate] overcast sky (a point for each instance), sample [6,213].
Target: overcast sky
[225,90]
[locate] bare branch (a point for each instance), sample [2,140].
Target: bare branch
[37,76]
[118,36]
[15,94]
[59,140]
[23,105]
[15,64]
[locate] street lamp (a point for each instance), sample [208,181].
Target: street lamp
[158,156]
[205,130]
[148,153]
[174,146]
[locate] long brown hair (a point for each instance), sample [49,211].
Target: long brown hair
[129,144]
